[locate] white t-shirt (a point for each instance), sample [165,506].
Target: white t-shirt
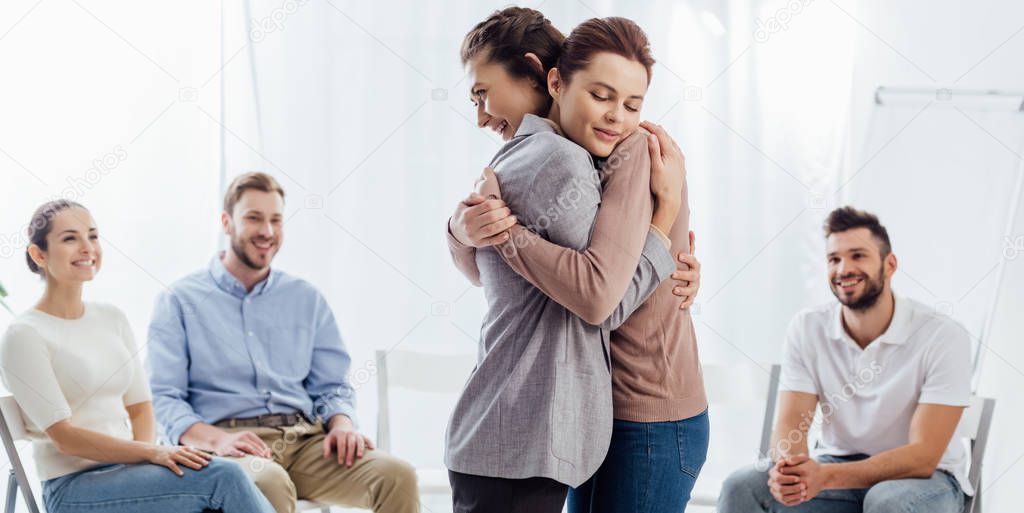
[85,370]
[868,396]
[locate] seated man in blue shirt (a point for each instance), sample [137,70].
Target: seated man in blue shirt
[247,362]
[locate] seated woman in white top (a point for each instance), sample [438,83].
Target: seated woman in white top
[75,371]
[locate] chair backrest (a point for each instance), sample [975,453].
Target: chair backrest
[423,372]
[749,383]
[12,417]
[974,425]
[12,428]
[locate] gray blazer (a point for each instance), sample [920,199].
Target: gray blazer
[539,403]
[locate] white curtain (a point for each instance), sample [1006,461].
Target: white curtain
[103,103]
[364,115]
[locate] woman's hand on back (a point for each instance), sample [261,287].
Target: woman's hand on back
[482,219]
[687,275]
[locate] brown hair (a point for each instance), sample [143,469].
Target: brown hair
[256,181]
[507,35]
[41,224]
[848,218]
[620,36]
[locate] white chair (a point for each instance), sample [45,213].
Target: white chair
[422,372]
[974,426]
[12,429]
[722,387]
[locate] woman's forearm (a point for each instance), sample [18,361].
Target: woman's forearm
[592,283]
[88,444]
[143,422]
[666,211]
[464,258]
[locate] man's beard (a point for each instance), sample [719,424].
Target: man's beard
[238,248]
[872,291]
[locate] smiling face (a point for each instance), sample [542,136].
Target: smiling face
[600,105]
[858,274]
[73,253]
[256,227]
[502,100]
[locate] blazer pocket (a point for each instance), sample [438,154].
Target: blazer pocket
[581,403]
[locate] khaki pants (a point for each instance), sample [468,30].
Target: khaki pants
[377,481]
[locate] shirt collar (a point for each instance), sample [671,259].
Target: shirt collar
[533,124]
[228,283]
[896,333]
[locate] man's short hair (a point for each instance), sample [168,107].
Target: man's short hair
[848,218]
[256,181]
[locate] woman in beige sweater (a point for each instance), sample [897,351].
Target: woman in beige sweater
[75,371]
[660,436]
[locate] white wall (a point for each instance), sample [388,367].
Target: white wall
[955,45]
[111,81]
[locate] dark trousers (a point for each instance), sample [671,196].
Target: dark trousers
[481,494]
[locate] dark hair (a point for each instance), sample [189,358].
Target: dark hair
[507,35]
[41,224]
[255,180]
[848,218]
[620,36]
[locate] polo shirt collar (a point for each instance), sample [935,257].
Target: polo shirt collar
[896,333]
[228,283]
[533,124]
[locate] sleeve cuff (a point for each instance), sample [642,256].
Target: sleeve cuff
[798,387]
[664,238]
[944,399]
[453,243]
[348,412]
[326,410]
[136,397]
[659,255]
[178,427]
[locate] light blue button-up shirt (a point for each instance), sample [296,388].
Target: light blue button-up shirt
[218,352]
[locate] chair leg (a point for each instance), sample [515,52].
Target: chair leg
[12,493]
[976,505]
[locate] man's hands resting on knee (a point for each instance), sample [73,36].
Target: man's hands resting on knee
[795,479]
[350,444]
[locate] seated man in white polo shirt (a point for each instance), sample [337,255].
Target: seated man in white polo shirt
[892,378]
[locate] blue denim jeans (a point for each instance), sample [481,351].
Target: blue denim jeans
[651,467]
[144,488]
[746,491]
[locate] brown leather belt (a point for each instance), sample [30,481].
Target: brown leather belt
[274,420]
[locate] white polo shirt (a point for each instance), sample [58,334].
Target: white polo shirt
[868,396]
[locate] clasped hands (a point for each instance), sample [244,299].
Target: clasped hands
[796,479]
